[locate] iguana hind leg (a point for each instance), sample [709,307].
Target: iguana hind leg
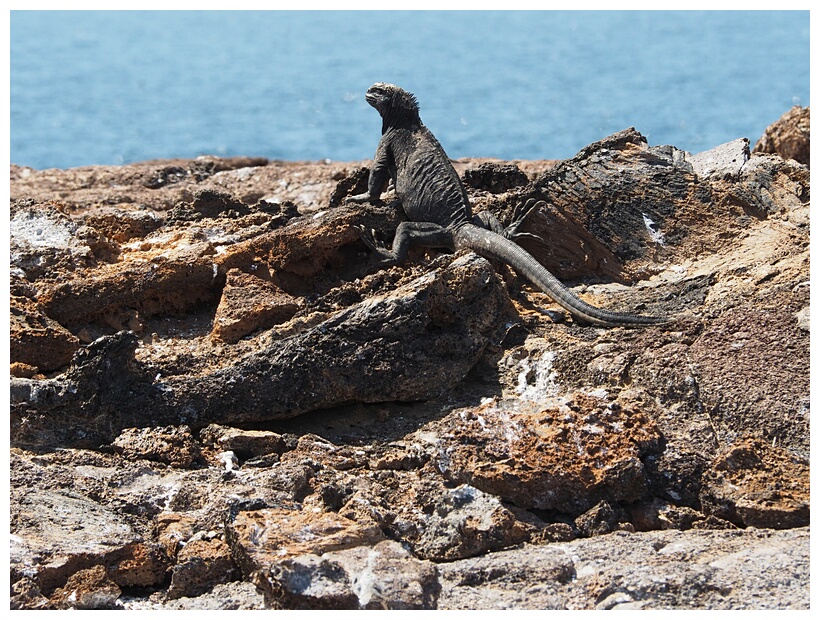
[487,220]
[425,234]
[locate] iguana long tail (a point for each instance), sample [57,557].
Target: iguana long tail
[488,243]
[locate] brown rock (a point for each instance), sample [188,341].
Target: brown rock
[156,184]
[293,478]
[249,303]
[401,457]
[37,340]
[25,594]
[266,542]
[558,532]
[419,509]
[264,537]
[713,523]
[349,183]
[413,341]
[167,280]
[308,247]
[172,530]
[789,137]
[495,177]
[739,397]
[138,565]
[660,515]
[600,519]
[22,370]
[313,448]
[89,588]
[755,484]
[200,565]
[245,443]
[495,402]
[173,445]
[564,457]
[122,225]
[57,533]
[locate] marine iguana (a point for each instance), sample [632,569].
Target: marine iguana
[439,212]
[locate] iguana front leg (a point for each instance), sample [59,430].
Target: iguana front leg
[366,197]
[380,174]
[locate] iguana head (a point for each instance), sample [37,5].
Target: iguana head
[396,106]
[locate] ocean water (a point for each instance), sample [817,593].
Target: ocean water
[117,87]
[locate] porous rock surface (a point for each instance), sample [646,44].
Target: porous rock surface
[789,137]
[217,403]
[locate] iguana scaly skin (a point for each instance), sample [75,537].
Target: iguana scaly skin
[439,212]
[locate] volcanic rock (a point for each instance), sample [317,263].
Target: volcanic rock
[218,401]
[789,137]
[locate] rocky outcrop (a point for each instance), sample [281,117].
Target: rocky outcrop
[410,343]
[789,137]
[216,402]
[623,571]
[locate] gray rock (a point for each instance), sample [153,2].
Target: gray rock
[226,596]
[387,576]
[804,318]
[467,522]
[753,569]
[54,534]
[43,238]
[309,582]
[382,576]
[722,162]
[25,594]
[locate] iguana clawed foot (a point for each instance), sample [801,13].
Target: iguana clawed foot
[366,197]
[358,198]
[521,214]
[369,238]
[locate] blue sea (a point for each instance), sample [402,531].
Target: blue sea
[118,87]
